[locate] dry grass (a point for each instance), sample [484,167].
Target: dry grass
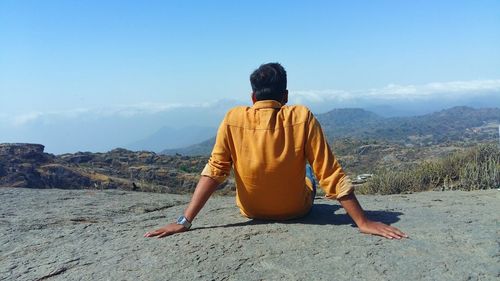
[476,168]
[98,177]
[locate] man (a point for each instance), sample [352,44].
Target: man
[268,146]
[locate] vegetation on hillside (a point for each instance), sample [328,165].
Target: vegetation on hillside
[473,169]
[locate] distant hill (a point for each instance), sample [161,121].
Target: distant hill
[168,137]
[456,124]
[200,149]
[348,121]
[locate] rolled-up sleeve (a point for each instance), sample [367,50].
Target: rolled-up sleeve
[220,162]
[327,169]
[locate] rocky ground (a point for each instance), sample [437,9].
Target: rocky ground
[54,234]
[27,165]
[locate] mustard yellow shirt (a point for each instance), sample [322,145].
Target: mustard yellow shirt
[268,145]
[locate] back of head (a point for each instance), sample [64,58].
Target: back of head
[269,82]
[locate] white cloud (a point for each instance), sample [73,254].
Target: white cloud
[22,119]
[389,93]
[125,110]
[117,110]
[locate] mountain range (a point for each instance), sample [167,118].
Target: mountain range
[456,124]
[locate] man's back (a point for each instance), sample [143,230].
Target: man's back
[268,145]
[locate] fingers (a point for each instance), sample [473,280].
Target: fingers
[152,233]
[159,232]
[384,230]
[393,233]
[400,233]
[165,233]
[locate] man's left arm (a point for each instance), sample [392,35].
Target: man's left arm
[337,184]
[353,208]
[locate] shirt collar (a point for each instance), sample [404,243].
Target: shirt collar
[266,104]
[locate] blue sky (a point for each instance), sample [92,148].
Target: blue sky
[128,56]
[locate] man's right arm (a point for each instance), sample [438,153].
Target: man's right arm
[206,186]
[215,172]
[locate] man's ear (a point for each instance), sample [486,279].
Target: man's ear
[285,98]
[254,99]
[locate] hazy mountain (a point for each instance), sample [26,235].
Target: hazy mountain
[202,148]
[102,130]
[168,137]
[454,124]
[345,120]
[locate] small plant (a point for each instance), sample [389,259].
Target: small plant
[184,168]
[476,168]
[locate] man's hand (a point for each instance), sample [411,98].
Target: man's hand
[381,229]
[353,208]
[206,186]
[167,230]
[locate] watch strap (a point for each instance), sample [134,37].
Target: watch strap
[182,220]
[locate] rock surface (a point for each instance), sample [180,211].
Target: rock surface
[52,234]
[19,163]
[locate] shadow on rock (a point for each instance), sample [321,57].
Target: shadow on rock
[320,214]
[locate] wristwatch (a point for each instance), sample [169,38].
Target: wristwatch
[184,222]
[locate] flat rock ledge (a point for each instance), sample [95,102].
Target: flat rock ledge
[53,234]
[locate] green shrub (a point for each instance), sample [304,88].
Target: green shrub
[483,171]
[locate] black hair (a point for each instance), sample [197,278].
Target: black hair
[269,82]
